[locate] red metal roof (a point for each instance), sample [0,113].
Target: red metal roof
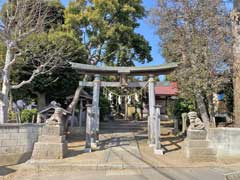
[170,89]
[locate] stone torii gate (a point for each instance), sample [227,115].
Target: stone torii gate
[92,125]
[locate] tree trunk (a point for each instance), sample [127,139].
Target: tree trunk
[75,100]
[211,110]
[5,87]
[235,16]
[10,108]
[202,109]
[41,100]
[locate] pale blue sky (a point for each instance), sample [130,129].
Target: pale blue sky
[148,32]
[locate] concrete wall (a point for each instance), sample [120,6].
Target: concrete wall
[226,140]
[16,142]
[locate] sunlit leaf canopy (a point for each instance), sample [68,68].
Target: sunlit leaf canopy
[107,30]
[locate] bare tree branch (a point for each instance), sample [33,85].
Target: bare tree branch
[13,61]
[34,74]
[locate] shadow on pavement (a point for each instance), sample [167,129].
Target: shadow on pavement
[5,171]
[172,142]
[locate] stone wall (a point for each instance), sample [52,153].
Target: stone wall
[16,142]
[226,141]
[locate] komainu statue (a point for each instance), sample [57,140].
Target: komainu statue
[58,117]
[195,121]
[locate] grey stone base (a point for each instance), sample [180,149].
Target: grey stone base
[197,143]
[196,134]
[197,148]
[55,139]
[51,144]
[53,130]
[49,150]
[201,154]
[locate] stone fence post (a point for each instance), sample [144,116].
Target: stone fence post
[95,125]
[157,118]
[89,128]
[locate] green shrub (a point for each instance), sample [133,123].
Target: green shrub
[176,108]
[104,107]
[27,115]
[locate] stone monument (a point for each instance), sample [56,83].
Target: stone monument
[52,143]
[197,147]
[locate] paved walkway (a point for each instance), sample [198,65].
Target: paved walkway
[128,174]
[121,148]
[124,152]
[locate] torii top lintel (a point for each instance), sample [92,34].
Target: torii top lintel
[114,70]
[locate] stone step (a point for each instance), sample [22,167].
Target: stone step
[200,151]
[121,128]
[201,154]
[197,143]
[46,166]
[203,158]
[107,126]
[165,131]
[115,131]
[167,122]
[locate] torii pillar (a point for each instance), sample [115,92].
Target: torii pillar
[151,97]
[95,103]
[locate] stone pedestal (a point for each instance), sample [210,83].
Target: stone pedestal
[196,134]
[197,147]
[51,144]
